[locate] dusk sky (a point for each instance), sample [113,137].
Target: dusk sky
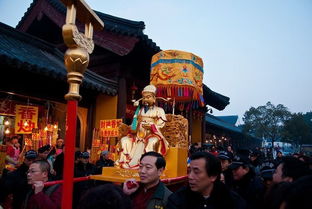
[253,51]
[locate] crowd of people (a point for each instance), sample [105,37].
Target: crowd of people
[218,178]
[22,181]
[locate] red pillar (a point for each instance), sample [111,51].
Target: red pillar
[69,154]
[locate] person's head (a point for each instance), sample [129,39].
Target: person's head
[60,143]
[204,170]
[13,140]
[289,170]
[78,156]
[38,171]
[213,148]
[196,145]
[105,154]
[266,173]
[151,167]
[85,157]
[107,196]
[44,151]
[240,167]
[148,95]
[30,157]
[279,154]
[229,148]
[225,159]
[254,155]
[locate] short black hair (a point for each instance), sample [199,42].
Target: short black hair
[105,196]
[78,155]
[44,148]
[13,137]
[213,164]
[160,161]
[293,167]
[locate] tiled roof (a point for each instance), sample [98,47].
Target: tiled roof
[215,121]
[215,99]
[232,119]
[29,53]
[111,23]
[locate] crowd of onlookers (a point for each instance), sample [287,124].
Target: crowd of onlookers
[24,169]
[261,180]
[218,178]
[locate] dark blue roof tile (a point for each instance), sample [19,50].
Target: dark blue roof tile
[32,54]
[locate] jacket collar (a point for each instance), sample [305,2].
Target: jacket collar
[160,191]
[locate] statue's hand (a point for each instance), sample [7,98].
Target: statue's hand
[128,157]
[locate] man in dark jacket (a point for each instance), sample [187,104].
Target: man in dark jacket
[104,161]
[204,189]
[225,158]
[151,192]
[290,169]
[246,183]
[83,168]
[15,182]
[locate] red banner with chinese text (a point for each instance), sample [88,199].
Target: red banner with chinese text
[109,128]
[26,118]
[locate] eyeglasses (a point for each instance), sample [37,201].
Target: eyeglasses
[32,171]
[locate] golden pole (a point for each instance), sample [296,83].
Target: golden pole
[76,61]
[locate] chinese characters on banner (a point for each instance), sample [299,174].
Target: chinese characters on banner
[109,128]
[26,118]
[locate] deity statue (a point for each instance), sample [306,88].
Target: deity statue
[146,135]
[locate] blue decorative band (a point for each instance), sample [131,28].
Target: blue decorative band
[167,61]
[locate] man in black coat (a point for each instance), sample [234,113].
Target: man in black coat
[15,182]
[83,168]
[246,183]
[104,161]
[204,189]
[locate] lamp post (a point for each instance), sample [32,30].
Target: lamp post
[76,61]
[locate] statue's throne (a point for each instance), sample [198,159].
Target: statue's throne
[176,133]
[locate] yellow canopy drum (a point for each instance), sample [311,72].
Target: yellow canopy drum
[178,75]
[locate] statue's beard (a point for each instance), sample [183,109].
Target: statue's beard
[146,107]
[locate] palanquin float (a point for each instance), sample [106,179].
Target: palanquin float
[177,76]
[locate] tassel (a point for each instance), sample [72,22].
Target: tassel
[134,123]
